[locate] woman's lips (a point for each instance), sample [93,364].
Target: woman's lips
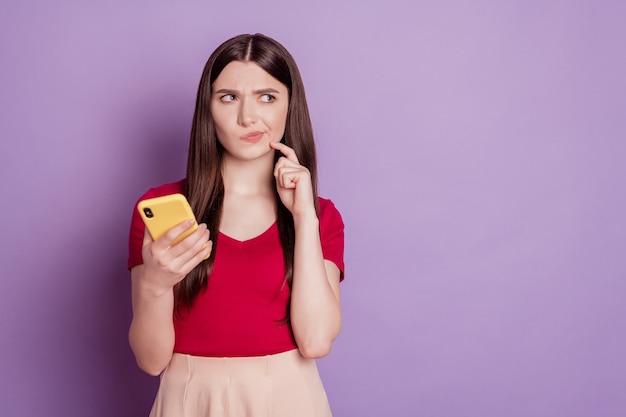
[252,137]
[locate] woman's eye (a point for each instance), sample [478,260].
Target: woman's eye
[267,98]
[228,97]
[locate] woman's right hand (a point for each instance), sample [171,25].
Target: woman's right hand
[166,265]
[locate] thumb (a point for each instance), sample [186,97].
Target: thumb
[146,237]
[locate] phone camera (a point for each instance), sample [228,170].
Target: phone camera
[149,214]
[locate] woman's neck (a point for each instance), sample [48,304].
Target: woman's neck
[249,206]
[248,178]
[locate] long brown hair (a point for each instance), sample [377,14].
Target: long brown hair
[205,186]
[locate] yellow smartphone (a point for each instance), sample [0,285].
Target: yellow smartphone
[160,214]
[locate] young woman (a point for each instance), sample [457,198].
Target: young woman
[237,334]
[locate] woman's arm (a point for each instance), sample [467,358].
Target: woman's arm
[315,307]
[315,299]
[151,333]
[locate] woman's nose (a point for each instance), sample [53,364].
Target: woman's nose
[247,112]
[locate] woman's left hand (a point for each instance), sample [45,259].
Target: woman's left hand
[293,182]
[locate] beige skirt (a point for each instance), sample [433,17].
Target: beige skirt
[280,385]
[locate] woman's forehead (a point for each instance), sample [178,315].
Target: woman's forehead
[244,76]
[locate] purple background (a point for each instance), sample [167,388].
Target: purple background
[477,153]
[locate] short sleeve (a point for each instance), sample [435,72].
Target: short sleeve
[332,234]
[137,228]
[135,238]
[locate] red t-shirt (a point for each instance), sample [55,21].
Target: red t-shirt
[240,312]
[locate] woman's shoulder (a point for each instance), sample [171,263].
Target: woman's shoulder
[324,203]
[165,189]
[328,211]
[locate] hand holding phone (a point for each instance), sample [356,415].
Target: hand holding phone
[160,214]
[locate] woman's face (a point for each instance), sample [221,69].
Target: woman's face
[249,108]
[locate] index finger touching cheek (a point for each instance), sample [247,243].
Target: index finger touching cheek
[285,150]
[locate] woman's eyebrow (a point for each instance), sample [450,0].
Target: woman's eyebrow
[266,90]
[226,91]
